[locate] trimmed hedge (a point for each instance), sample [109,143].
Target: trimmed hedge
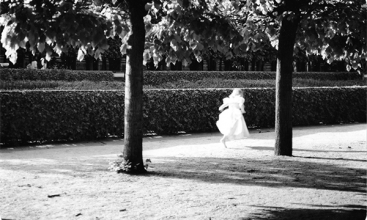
[61,85]
[49,116]
[329,75]
[160,77]
[29,84]
[10,74]
[180,84]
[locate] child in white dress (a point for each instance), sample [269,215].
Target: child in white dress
[231,122]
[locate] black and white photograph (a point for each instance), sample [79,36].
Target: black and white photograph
[183,109]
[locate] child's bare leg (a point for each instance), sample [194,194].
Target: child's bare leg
[223,141]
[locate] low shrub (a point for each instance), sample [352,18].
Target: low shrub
[61,85]
[161,77]
[251,83]
[328,75]
[304,82]
[49,116]
[10,74]
[29,85]
[182,84]
[216,83]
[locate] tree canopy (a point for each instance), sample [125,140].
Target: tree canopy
[334,29]
[49,26]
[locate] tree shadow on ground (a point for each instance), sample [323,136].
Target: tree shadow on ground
[315,213]
[265,171]
[270,172]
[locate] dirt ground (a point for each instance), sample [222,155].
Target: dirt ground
[192,176]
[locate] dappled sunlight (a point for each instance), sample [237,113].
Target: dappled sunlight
[57,166]
[106,156]
[62,171]
[335,213]
[193,172]
[181,150]
[287,172]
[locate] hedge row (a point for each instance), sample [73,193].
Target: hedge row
[30,84]
[160,77]
[180,84]
[48,116]
[10,74]
[61,85]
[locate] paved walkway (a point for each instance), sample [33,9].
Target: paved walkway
[304,139]
[192,176]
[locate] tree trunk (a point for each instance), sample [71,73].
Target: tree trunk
[283,104]
[133,130]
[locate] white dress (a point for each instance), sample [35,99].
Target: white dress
[231,122]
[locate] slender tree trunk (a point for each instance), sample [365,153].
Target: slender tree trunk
[283,104]
[133,130]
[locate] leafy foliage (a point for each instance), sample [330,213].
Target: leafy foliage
[179,34]
[114,48]
[342,36]
[45,26]
[124,166]
[335,29]
[51,116]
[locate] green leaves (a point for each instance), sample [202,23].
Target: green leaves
[334,31]
[193,29]
[179,30]
[47,26]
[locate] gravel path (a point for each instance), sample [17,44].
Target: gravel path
[192,177]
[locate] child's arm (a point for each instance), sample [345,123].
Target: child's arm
[221,108]
[225,104]
[242,106]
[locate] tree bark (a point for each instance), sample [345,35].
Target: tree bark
[283,103]
[133,127]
